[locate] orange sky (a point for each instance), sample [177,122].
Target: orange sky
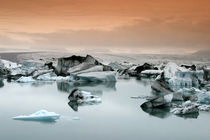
[140,26]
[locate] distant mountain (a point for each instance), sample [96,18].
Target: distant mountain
[202,53]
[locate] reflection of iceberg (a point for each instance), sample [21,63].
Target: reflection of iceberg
[93,87]
[1,83]
[82,98]
[41,115]
[157,112]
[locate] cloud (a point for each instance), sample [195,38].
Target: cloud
[167,34]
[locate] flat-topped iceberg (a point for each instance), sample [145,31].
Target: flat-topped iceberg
[105,76]
[41,115]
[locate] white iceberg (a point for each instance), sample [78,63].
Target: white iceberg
[8,64]
[204,98]
[181,77]
[24,79]
[171,69]
[53,77]
[151,73]
[41,115]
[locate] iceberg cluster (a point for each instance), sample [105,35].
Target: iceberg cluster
[186,108]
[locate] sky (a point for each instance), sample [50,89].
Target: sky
[110,26]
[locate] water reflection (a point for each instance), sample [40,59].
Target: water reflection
[40,121]
[157,112]
[93,87]
[1,83]
[189,116]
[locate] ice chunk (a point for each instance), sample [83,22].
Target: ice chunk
[41,115]
[187,108]
[8,64]
[24,79]
[204,98]
[163,101]
[82,98]
[53,77]
[204,107]
[171,69]
[105,76]
[151,73]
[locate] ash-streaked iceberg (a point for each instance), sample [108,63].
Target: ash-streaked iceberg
[42,115]
[82,98]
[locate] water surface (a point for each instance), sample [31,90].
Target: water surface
[118,117]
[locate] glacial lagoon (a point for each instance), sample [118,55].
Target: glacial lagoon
[118,117]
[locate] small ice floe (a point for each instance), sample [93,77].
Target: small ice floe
[187,108]
[24,79]
[41,115]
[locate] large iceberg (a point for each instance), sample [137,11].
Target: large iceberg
[41,115]
[181,77]
[105,76]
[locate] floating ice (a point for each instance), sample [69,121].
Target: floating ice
[24,79]
[150,73]
[204,107]
[41,115]
[204,98]
[53,77]
[8,64]
[105,76]
[187,108]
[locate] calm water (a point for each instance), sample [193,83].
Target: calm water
[117,117]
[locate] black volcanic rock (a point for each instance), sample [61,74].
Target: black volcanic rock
[68,62]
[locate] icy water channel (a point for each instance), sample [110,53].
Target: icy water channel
[118,117]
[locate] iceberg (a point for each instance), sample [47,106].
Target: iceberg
[41,115]
[82,98]
[187,108]
[8,64]
[157,102]
[181,77]
[204,107]
[204,98]
[151,73]
[105,76]
[24,79]
[52,77]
